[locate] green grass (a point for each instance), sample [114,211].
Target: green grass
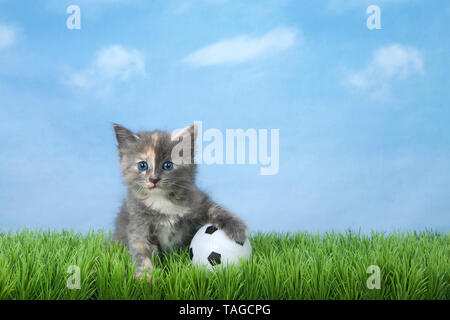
[33,265]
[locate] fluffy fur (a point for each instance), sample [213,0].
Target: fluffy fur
[166,217]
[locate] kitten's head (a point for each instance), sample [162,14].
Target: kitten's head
[148,166]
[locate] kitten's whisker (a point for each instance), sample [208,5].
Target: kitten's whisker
[179,186]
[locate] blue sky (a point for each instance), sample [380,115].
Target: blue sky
[363,114]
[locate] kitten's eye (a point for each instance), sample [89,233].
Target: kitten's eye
[142,166]
[167,165]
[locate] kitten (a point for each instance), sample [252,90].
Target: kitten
[163,206]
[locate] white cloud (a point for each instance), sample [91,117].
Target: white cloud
[390,63]
[8,36]
[242,48]
[110,64]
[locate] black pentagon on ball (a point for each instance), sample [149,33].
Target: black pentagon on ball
[214,258]
[210,230]
[191,253]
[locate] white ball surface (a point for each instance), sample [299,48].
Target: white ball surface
[211,246]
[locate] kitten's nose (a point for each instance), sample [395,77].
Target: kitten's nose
[154,180]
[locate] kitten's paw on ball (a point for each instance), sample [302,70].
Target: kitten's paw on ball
[235,230]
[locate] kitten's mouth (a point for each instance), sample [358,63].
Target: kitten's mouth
[146,188]
[155,186]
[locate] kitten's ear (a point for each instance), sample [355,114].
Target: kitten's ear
[190,131]
[187,135]
[124,136]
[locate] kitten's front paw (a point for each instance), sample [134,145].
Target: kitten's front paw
[236,230]
[144,275]
[144,268]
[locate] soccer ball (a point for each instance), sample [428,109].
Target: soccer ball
[212,247]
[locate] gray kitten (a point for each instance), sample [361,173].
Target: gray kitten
[163,207]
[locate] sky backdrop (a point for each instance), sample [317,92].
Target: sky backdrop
[363,114]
